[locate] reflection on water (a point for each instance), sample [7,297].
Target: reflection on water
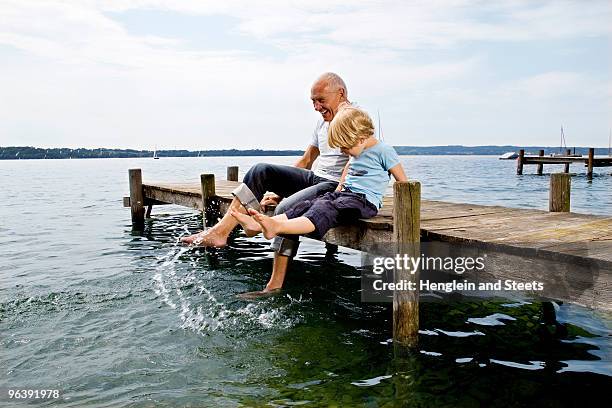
[118,318]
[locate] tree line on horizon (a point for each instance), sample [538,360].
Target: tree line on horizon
[28,152]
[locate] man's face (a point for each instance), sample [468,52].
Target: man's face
[326,100]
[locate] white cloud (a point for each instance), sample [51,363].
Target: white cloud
[73,76]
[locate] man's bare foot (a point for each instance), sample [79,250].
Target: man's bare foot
[269,226]
[207,238]
[249,225]
[259,294]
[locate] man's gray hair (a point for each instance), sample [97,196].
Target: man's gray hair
[333,81]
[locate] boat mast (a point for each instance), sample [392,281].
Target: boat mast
[563,144]
[380,134]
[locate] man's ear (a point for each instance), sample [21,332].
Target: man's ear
[342,93]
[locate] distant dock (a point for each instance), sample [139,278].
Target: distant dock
[590,161]
[576,247]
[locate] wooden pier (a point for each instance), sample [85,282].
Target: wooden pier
[524,244]
[590,161]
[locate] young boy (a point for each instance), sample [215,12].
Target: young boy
[359,194]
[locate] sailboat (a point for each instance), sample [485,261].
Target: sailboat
[155,153]
[508,156]
[563,147]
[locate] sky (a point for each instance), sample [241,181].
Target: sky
[198,74]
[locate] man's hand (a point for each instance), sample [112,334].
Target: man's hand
[270,199]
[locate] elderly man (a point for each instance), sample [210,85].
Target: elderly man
[292,184]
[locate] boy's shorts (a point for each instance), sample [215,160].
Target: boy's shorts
[332,209]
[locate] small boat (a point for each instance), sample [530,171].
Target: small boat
[155,154]
[508,156]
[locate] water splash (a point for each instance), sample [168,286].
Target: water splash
[200,311]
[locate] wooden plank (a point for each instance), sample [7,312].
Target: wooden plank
[183,198]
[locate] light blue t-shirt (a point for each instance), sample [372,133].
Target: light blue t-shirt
[369,172]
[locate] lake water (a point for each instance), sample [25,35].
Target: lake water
[118,318]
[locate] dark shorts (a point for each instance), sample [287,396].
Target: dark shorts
[333,209]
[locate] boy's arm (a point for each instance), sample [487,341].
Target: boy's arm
[397,172]
[343,176]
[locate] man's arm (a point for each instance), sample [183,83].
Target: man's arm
[397,172]
[310,155]
[305,162]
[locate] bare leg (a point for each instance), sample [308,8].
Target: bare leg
[217,235]
[249,225]
[279,269]
[280,224]
[275,284]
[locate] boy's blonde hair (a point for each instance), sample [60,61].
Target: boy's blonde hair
[349,127]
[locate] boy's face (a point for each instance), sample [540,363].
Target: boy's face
[355,150]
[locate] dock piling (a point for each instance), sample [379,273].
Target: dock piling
[232,173]
[567,165]
[136,197]
[590,163]
[540,165]
[560,192]
[207,182]
[519,162]
[407,234]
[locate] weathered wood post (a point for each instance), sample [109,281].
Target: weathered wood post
[519,162]
[407,235]
[560,192]
[136,197]
[540,165]
[232,173]
[567,165]
[590,163]
[207,182]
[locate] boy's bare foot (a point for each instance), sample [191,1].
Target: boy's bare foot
[269,226]
[259,294]
[249,225]
[207,238]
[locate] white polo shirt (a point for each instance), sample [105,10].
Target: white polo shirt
[330,162]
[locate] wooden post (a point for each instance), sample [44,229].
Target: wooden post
[207,182]
[519,162]
[136,197]
[407,234]
[567,165]
[590,163]
[540,165]
[232,173]
[560,192]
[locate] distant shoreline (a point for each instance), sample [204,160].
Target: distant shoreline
[28,152]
